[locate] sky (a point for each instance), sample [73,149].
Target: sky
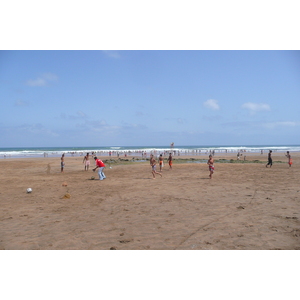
[141,98]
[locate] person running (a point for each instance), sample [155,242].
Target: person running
[161,162]
[270,162]
[99,164]
[170,160]
[288,155]
[62,163]
[211,167]
[153,166]
[86,162]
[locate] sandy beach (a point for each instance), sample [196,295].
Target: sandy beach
[244,206]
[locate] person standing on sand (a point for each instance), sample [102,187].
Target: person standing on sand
[270,162]
[99,164]
[211,167]
[86,162]
[288,155]
[62,163]
[170,160]
[153,166]
[161,162]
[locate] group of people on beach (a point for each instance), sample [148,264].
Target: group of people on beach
[86,161]
[270,161]
[100,164]
[161,164]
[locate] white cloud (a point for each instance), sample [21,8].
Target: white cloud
[272,125]
[112,54]
[256,107]
[79,115]
[212,104]
[42,80]
[36,82]
[50,76]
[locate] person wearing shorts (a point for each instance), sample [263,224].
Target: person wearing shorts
[153,166]
[86,161]
[211,167]
[170,160]
[288,155]
[161,162]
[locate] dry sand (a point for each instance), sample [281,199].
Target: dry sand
[244,206]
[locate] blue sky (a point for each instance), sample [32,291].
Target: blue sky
[139,98]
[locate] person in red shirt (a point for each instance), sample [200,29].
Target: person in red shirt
[99,164]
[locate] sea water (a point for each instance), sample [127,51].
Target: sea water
[140,151]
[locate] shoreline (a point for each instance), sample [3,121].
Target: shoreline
[142,151]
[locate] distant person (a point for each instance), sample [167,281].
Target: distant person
[211,167]
[170,160]
[161,162]
[86,162]
[62,163]
[153,166]
[288,155]
[270,162]
[99,164]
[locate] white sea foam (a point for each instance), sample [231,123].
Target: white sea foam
[137,151]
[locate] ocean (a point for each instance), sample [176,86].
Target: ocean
[138,150]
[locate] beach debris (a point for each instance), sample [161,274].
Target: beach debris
[93,178]
[67,196]
[29,190]
[64,184]
[113,248]
[240,207]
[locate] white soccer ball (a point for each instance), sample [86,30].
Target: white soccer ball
[29,190]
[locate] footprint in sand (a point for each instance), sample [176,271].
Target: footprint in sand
[126,241]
